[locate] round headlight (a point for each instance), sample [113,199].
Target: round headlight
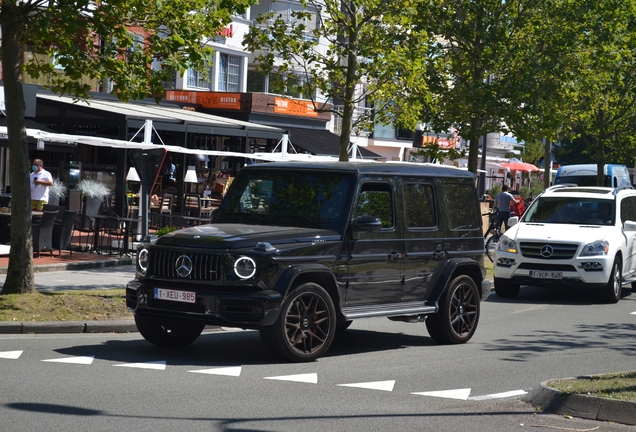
[245,267]
[143,258]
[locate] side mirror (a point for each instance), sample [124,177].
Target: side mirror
[629,226]
[366,224]
[513,220]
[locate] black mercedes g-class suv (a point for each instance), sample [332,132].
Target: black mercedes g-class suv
[299,250]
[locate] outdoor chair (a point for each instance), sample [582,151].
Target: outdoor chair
[63,232]
[193,205]
[85,225]
[43,232]
[111,228]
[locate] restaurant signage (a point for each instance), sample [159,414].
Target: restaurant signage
[294,107]
[228,101]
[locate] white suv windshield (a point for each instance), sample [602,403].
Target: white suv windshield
[571,210]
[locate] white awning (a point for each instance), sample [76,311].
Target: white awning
[172,117]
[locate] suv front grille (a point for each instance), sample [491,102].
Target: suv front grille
[205,267]
[559,251]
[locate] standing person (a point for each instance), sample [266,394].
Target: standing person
[41,180]
[502,202]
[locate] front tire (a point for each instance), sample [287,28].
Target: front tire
[305,327]
[611,293]
[456,320]
[168,333]
[506,289]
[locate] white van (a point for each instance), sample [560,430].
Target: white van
[585,175]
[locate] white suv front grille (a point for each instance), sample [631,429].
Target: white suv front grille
[549,251]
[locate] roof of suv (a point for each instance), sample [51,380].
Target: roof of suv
[574,190]
[385,168]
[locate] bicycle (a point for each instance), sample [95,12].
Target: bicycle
[493,240]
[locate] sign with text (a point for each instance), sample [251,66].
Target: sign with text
[228,101]
[294,107]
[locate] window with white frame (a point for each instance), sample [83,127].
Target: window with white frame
[198,79]
[229,73]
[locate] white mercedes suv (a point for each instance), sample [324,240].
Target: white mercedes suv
[571,236]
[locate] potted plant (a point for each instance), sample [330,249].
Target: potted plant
[93,194]
[57,192]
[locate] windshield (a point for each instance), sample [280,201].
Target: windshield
[288,198]
[568,210]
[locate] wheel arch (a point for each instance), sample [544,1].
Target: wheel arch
[298,275]
[453,268]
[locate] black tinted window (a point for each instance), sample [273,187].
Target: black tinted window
[376,200]
[462,207]
[419,205]
[288,198]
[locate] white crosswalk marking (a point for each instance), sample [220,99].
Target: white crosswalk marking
[306,378]
[377,385]
[461,394]
[499,395]
[12,355]
[156,365]
[85,360]
[228,371]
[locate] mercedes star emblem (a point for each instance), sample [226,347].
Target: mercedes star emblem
[183,266]
[547,251]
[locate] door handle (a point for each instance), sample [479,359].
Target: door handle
[394,256]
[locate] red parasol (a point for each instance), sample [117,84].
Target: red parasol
[520,166]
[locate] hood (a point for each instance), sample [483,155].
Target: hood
[558,232]
[236,236]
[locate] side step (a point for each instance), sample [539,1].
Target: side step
[393,309]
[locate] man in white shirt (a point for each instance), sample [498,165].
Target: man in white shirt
[41,180]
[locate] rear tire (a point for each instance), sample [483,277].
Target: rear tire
[305,327]
[456,320]
[506,289]
[611,293]
[168,333]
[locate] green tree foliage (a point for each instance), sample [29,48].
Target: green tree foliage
[368,42]
[466,66]
[99,41]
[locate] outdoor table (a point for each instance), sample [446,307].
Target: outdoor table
[128,223]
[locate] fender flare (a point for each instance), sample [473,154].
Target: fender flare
[449,269]
[291,273]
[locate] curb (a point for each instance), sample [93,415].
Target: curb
[77,265]
[582,406]
[50,327]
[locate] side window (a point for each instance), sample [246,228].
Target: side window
[461,205]
[376,200]
[419,205]
[628,209]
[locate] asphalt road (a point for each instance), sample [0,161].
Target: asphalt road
[379,375]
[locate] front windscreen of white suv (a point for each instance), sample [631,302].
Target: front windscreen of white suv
[571,237]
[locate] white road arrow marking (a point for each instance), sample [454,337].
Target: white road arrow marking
[72,360]
[461,394]
[11,354]
[228,371]
[306,378]
[633,313]
[157,365]
[499,395]
[377,385]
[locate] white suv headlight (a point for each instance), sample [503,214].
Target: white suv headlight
[599,247]
[506,244]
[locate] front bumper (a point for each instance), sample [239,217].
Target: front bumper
[591,271]
[254,310]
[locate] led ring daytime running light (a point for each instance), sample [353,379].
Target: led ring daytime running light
[249,264]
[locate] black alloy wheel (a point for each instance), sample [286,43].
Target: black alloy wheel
[306,325]
[456,320]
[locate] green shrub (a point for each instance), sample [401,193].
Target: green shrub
[165,230]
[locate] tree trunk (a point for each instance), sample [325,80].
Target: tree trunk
[350,88]
[20,272]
